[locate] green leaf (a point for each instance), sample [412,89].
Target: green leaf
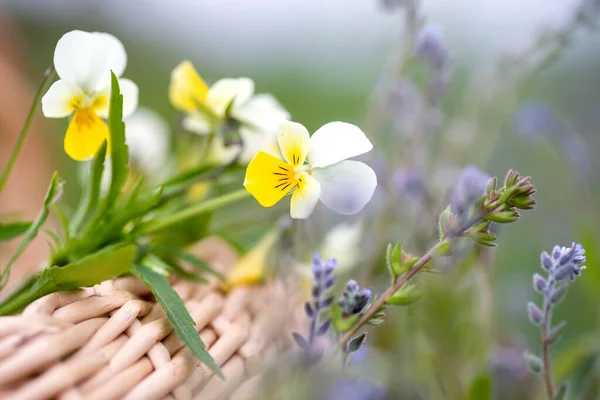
[12,230]
[119,157]
[356,343]
[153,261]
[406,295]
[561,393]
[90,198]
[53,193]
[194,261]
[177,315]
[534,363]
[341,324]
[481,388]
[106,264]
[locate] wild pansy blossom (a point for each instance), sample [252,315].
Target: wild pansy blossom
[227,101]
[83,62]
[315,168]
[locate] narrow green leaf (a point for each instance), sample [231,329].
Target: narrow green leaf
[177,315]
[561,393]
[106,264]
[194,261]
[12,230]
[90,197]
[481,388]
[119,156]
[356,343]
[53,193]
[157,263]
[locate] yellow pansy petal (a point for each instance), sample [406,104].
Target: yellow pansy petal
[251,268]
[293,141]
[85,135]
[187,87]
[305,197]
[268,179]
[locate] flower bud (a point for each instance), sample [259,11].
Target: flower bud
[535,314]
[539,283]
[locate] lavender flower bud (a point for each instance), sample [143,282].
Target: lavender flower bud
[563,273]
[556,252]
[535,314]
[557,294]
[539,283]
[352,286]
[546,261]
[430,47]
[469,188]
[330,266]
[353,300]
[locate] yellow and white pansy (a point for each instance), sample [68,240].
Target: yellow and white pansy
[83,61]
[209,108]
[315,168]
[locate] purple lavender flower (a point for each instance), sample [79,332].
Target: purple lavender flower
[563,263]
[469,188]
[430,47]
[354,300]
[536,119]
[323,282]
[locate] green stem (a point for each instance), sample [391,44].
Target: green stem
[48,76]
[197,209]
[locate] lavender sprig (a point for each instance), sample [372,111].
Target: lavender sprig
[323,281]
[562,267]
[351,303]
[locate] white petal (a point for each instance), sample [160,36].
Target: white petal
[293,139]
[305,197]
[337,141]
[129,90]
[258,141]
[347,186]
[224,91]
[262,112]
[147,136]
[85,59]
[60,100]
[197,123]
[115,56]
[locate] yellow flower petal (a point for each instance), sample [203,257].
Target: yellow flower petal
[293,141]
[268,179]
[251,267]
[85,135]
[187,87]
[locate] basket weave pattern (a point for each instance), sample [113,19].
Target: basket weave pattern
[113,341]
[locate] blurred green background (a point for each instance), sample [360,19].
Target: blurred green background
[322,60]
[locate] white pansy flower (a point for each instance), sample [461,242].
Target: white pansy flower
[83,62]
[208,108]
[315,168]
[148,139]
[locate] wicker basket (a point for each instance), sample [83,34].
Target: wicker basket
[113,341]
